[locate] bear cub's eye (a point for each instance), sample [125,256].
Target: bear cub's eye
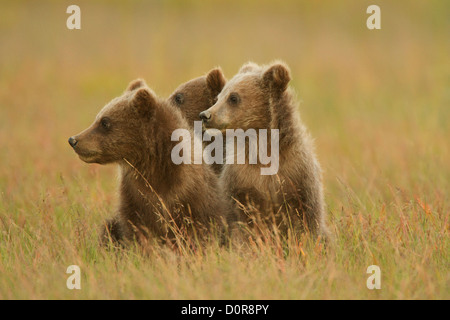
[234,98]
[179,98]
[105,123]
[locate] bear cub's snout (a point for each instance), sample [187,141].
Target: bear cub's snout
[73,142]
[205,115]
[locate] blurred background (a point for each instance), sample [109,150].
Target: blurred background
[377,102]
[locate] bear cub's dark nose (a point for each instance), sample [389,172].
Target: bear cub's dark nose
[73,142]
[205,115]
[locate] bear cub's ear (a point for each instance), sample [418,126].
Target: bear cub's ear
[136,84]
[144,101]
[215,81]
[277,77]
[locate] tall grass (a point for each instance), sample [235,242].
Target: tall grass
[375,101]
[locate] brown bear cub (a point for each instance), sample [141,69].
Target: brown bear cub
[257,98]
[197,95]
[157,197]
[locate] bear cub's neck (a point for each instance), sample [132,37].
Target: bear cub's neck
[151,169]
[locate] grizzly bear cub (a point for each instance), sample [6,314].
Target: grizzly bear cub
[197,95]
[257,98]
[157,197]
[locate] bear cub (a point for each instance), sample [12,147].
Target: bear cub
[156,197]
[258,97]
[197,95]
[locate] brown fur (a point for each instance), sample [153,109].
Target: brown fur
[293,197]
[157,197]
[198,95]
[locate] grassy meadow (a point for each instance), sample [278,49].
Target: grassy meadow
[376,101]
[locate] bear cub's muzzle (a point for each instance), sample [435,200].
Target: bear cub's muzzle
[205,116]
[73,142]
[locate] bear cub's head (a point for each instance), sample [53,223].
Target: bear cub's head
[198,94]
[245,101]
[117,131]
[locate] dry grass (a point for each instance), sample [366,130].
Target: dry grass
[377,103]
